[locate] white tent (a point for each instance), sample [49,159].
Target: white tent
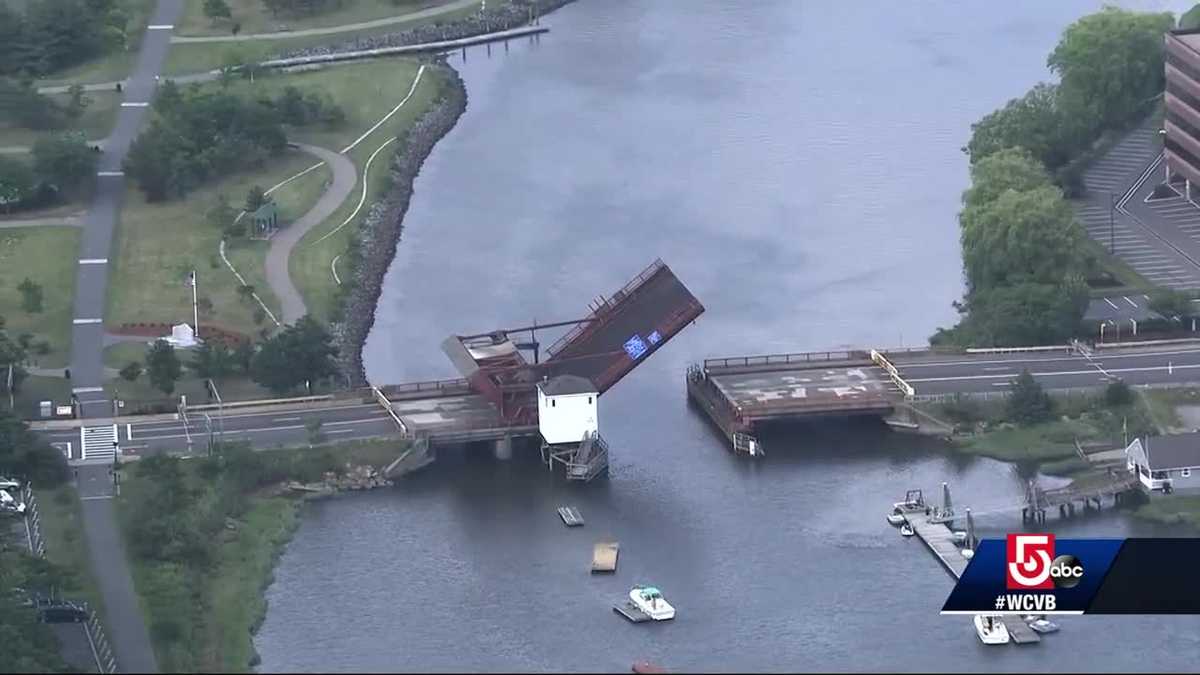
[182,336]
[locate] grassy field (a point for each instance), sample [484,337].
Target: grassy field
[200,57]
[117,64]
[96,122]
[158,244]
[62,528]
[46,255]
[1172,510]
[254,17]
[202,620]
[310,262]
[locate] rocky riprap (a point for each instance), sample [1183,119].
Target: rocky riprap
[353,478]
[380,230]
[498,16]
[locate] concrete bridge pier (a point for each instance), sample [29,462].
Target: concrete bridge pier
[503,448]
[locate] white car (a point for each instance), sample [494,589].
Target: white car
[7,503]
[10,484]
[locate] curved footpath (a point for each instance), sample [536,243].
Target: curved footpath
[427,13]
[345,176]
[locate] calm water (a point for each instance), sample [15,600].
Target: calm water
[798,165]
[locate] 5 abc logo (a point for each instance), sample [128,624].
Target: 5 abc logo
[1033,566]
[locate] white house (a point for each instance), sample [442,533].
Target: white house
[1166,463]
[567,409]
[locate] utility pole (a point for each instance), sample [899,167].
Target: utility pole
[195,308]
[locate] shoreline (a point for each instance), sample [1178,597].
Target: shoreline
[380,232]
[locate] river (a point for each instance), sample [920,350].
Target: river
[798,165]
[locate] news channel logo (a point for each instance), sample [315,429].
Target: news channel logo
[1032,565]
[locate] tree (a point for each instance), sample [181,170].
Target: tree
[79,101]
[217,9]
[1034,122]
[1171,303]
[1027,402]
[1008,169]
[1022,315]
[212,360]
[301,353]
[1117,393]
[1028,236]
[1190,19]
[16,182]
[24,453]
[242,356]
[222,214]
[1110,65]
[64,160]
[255,198]
[31,296]
[132,371]
[163,366]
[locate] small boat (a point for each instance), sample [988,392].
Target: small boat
[647,667]
[651,602]
[895,518]
[1043,626]
[967,553]
[906,530]
[991,629]
[959,536]
[1030,618]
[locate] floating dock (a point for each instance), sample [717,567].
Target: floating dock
[932,530]
[604,556]
[571,516]
[630,611]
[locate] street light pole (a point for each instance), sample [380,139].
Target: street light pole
[1112,239]
[195,309]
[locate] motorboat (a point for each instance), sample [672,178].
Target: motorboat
[967,553]
[651,602]
[959,536]
[906,530]
[1030,618]
[991,629]
[913,501]
[895,517]
[1043,626]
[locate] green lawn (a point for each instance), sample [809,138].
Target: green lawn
[37,388]
[158,244]
[1172,510]
[62,528]
[96,123]
[201,57]
[115,65]
[47,256]
[1123,273]
[254,17]
[310,262]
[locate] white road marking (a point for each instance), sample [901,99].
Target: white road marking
[81,322]
[160,26]
[1131,303]
[93,261]
[286,419]
[1111,304]
[129,432]
[135,104]
[107,174]
[88,499]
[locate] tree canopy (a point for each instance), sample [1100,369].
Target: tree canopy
[50,35]
[1027,402]
[1035,122]
[163,366]
[1110,64]
[64,160]
[300,353]
[1012,168]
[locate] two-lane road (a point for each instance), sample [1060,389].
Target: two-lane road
[972,373]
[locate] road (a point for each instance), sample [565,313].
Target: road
[264,428]
[931,374]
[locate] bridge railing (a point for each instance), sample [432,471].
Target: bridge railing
[570,336]
[882,361]
[429,386]
[799,358]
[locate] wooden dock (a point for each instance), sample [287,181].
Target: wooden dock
[940,539]
[630,611]
[604,556]
[571,516]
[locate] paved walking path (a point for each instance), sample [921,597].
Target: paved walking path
[25,149]
[126,627]
[345,176]
[49,221]
[427,13]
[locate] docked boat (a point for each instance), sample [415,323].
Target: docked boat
[1043,626]
[967,553]
[651,602]
[906,530]
[959,536]
[895,518]
[990,629]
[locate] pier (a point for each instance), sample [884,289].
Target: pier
[931,525]
[1089,491]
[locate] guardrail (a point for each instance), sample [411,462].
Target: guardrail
[1147,343]
[881,361]
[785,359]
[1017,350]
[429,385]
[382,400]
[268,401]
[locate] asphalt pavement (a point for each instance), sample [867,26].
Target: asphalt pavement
[126,628]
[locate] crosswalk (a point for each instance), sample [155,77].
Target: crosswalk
[1107,180]
[99,443]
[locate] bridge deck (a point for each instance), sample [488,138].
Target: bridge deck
[451,419]
[797,391]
